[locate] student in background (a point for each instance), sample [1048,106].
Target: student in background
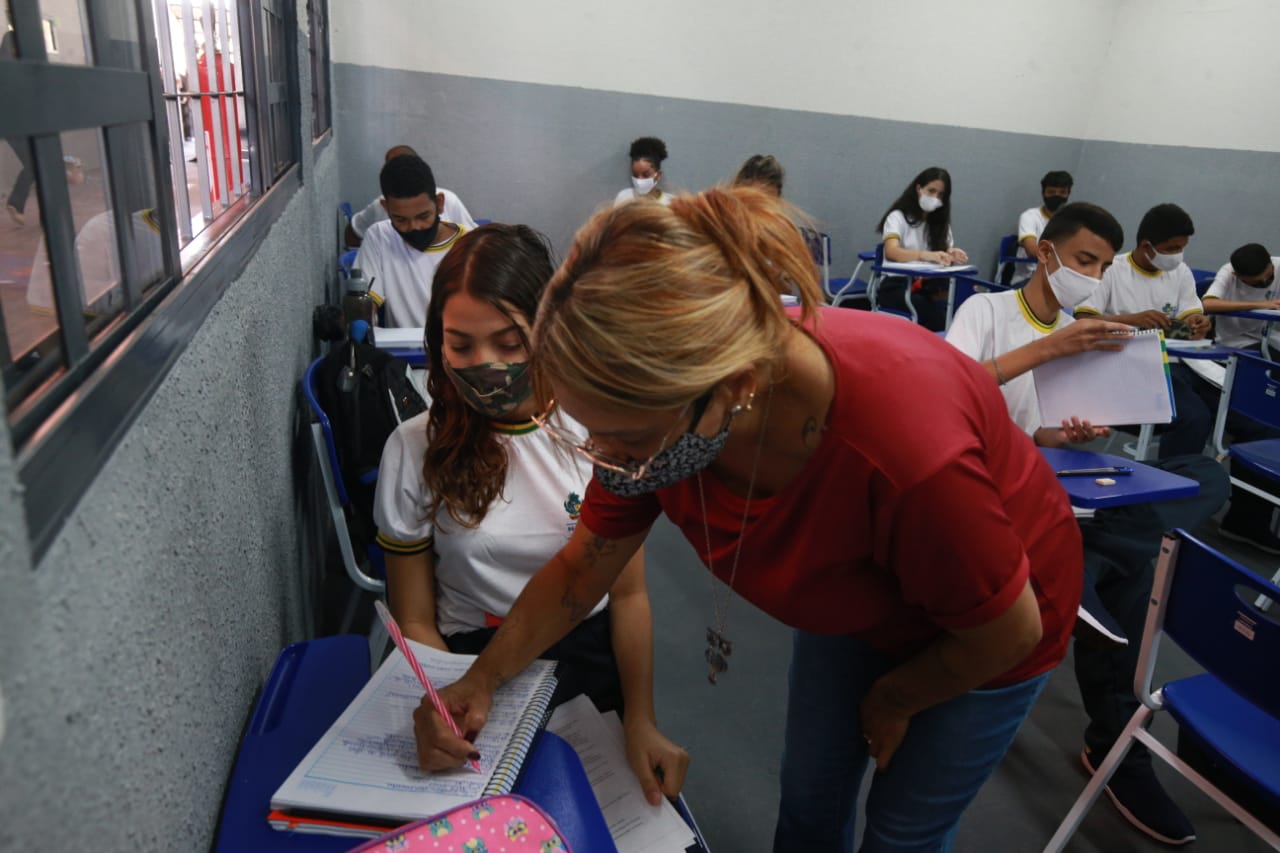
[375,211]
[1055,191]
[1151,288]
[647,154]
[1246,283]
[917,227]
[1013,332]
[763,171]
[702,398]
[473,498]
[399,256]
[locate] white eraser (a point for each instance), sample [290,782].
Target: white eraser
[1105,481]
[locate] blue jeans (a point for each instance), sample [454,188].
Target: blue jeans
[914,805]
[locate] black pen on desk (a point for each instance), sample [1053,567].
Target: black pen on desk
[1116,470]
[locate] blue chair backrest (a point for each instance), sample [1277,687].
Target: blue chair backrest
[309,391]
[1203,279]
[968,285]
[1211,613]
[346,261]
[1008,247]
[345,207]
[880,253]
[1255,388]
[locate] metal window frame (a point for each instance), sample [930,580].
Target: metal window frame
[321,77]
[64,433]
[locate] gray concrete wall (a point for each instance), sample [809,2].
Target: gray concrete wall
[129,658]
[549,155]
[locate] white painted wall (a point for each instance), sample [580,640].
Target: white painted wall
[971,64]
[1199,73]
[1174,72]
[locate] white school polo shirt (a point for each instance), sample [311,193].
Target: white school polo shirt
[481,570]
[1030,224]
[909,236]
[1236,331]
[399,275]
[454,211]
[629,194]
[989,325]
[1128,289]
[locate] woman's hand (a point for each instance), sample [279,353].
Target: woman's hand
[1074,431]
[884,725]
[659,764]
[960,256]
[943,258]
[439,748]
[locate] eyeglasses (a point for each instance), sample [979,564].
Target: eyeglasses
[633,468]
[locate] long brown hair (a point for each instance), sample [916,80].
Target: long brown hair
[655,305]
[465,466]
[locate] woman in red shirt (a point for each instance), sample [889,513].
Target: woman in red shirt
[848,473]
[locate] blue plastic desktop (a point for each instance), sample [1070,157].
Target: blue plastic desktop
[309,687]
[1144,484]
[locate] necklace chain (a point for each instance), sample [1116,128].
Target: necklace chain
[718,646]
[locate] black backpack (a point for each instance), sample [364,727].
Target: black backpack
[363,411]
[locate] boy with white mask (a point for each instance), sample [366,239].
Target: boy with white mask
[1152,288]
[1013,332]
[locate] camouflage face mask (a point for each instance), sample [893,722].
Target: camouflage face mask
[494,388]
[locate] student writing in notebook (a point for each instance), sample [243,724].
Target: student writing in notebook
[1151,288]
[375,211]
[700,397]
[472,497]
[1013,332]
[917,227]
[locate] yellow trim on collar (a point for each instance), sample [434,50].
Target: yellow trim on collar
[515,429]
[1032,319]
[1140,270]
[447,244]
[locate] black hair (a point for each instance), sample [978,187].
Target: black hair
[762,169]
[649,148]
[407,176]
[1250,259]
[465,465]
[938,223]
[1070,218]
[1056,179]
[1164,222]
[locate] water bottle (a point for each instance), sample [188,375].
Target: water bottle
[357,304]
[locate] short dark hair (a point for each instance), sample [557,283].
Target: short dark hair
[762,169]
[406,176]
[1250,259]
[1164,222]
[1056,178]
[1070,218]
[649,148]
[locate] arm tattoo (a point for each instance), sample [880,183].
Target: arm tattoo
[596,548]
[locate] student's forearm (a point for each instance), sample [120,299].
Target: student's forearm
[558,597]
[631,632]
[1028,245]
[425,633]
[1219,306]
[1014,363]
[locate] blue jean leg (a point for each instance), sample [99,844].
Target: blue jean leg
[948,753]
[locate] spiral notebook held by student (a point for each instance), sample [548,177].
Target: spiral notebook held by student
[1131,386]
[365,767]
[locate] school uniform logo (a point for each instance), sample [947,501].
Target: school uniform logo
[573,506]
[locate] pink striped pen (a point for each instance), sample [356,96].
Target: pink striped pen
[394,630]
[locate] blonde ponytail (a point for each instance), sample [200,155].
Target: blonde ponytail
[655,305]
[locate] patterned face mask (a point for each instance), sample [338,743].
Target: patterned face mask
[688,455]
[494,388]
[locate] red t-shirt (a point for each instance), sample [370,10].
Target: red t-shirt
[924,508]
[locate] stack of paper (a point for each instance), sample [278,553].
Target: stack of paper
[636,826]
[406,338]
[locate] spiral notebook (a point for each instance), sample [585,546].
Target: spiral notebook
[364,770]
[1131,386]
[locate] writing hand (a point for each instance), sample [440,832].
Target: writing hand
[1152,319]
[438,747]
[659,764]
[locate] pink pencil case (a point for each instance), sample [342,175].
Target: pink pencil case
[507,823]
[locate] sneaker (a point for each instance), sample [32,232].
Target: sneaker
[1094,622]
[1137,794]
[15,215]
[1260,538]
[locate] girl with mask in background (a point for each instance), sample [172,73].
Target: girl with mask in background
[647,154]
[917,227]
[473,497]
[928,616]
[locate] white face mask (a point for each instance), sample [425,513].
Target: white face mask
[643,186]
[1070,287]
[1165,263]
[929,203]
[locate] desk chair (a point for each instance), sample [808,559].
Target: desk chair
[1008,262]
[1203,279]
[1201,600]
[838,290]
[878,275]
[346,261]
[367,571]
[1251,388]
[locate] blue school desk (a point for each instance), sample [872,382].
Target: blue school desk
[310,686]
[1144,484]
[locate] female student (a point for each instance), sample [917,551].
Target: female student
[473,497]
[917,227]
[647,154]
[928,617]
